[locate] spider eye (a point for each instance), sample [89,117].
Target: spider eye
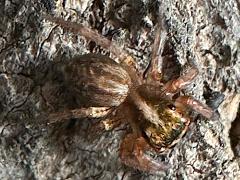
[171,106]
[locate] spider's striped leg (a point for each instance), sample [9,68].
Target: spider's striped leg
[184,102]
[132,154]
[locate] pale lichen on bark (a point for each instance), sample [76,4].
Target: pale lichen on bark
[205,33]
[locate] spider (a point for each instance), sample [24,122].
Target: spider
[99,87]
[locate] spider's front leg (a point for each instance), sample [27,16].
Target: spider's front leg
[153,71]
[134,146]
[184,102]
[132,154]
[174,86]
[156,60]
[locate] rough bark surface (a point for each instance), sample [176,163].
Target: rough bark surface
[205,33]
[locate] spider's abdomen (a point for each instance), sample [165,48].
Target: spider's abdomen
[94,80]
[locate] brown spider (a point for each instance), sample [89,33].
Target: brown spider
[103,88]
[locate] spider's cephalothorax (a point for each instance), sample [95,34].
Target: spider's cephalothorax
[170,124]
[98,86]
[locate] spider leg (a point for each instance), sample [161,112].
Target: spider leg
[93,35]
[174,86]
[154,68]
[103,125]
[112,120]
[132,154]
[91,112]
[184,102]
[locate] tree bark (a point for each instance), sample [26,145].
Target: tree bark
[203,33]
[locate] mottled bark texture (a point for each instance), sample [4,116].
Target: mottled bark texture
[204,33]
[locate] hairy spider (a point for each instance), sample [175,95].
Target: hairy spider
[99,86]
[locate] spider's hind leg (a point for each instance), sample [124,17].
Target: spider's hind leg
[94,36]
[91,112]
